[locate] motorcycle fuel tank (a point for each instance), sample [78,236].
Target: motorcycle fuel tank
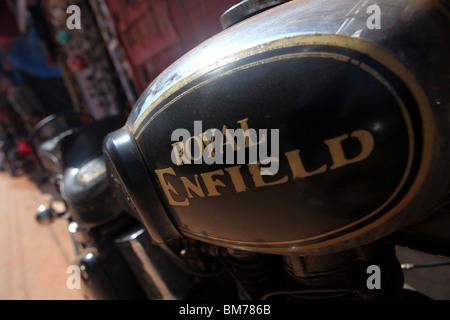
[308,128]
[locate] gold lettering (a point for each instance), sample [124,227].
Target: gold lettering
[194,187]
[211,184]
[209,144]
[236,178]
[337,152]
[227,138]
[248,140]
[297,168]
[190,186]
[258,179]
[167,187]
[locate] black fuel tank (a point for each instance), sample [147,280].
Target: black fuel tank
[354,118]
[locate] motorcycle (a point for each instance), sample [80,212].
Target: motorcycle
[355,112]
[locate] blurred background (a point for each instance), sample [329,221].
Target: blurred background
[97,57]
